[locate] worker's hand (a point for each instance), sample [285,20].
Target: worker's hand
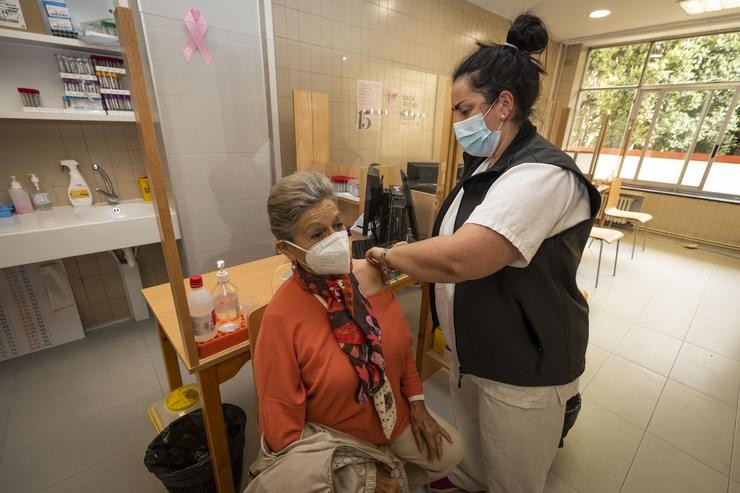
[375,256]
[384,483]
[427,431]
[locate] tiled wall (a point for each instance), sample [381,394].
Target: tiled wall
[692,218]
[97,287]
[151,265]
[37,147]
[399,43]
[215,128]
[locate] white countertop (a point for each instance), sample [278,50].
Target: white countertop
[58,233]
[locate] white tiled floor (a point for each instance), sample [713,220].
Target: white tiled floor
[660,411]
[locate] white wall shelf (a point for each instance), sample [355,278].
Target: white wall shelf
[65,115]
[36,39]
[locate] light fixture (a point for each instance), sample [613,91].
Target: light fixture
[693,7]
[344,58]
[598,14]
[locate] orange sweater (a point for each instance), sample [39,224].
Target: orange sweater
[303,375]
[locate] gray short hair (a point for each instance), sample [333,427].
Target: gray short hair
[292,196]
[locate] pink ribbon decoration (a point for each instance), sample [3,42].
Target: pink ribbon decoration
[197,27]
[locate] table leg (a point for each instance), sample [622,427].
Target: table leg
[174,378]
[213,416]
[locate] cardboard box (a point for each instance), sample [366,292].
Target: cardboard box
[31,14]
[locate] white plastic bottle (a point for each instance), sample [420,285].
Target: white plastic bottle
[21,199]
[78,192]
[200,303]
[39,196]
[225,302]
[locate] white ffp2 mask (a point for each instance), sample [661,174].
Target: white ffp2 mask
[329,256]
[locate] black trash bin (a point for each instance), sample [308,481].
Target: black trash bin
[179,455]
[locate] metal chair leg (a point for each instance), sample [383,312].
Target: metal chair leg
[634,239]
[616,256]
[598,266]
[644,237]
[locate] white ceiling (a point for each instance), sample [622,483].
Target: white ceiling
[630,20]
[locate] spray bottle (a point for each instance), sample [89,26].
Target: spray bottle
[78,192]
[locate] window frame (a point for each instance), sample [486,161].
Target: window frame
[661,90]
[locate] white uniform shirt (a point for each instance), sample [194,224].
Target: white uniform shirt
[527,204]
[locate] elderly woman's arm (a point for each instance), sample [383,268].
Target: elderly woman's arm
[427,432]
[411,387]
[282,397]
[473,252]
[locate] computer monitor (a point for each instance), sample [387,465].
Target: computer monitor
[423,176]
[373,194]
[410,213]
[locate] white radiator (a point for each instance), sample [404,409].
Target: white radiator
[624,204]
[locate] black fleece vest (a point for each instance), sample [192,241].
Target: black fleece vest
[523,326]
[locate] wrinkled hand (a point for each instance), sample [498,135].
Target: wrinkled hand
[384,483]
[427,431]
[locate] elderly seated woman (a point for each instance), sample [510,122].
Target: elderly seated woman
[334,347]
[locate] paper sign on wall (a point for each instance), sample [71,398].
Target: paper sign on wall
[11,14]
[411,111]
[369,102]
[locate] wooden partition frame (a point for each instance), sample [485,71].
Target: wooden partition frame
[559,134]
[158,183]
[311,127]
[448,146]
[599,144]
[210,378]
[310,119]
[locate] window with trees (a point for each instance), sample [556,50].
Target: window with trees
[671,110]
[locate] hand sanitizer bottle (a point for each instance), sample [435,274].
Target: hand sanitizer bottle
[225,302]
[39,196]
[20,198]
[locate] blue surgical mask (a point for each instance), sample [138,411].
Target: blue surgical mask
[475,137]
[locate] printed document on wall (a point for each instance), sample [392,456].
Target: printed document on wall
[369,103]
[411,111]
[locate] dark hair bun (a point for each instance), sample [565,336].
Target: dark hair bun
[528,33]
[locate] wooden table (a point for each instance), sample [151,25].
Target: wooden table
[254,281]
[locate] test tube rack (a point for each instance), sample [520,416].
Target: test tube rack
[94,84]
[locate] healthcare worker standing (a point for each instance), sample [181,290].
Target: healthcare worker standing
[507,243]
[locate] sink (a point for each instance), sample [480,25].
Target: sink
[69,231]
[132,210]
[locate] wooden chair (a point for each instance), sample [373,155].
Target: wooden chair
[609,236]
[254,323]
[633,217]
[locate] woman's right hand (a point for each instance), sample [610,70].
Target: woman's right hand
[384,483]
